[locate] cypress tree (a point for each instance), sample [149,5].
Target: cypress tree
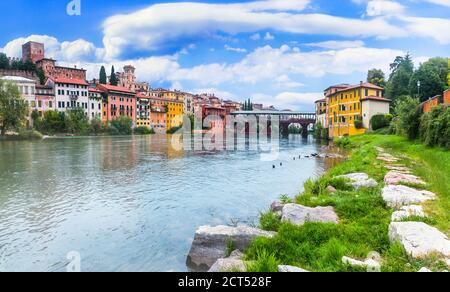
[103,77]
[113,80]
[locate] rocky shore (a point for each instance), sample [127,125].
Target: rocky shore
[221,248]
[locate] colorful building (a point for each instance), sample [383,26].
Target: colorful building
[143,111]
[345,108]
[321,112]
[70,93]
[95,104]
[117,102]
[174,100]
[158,114]
[27,89]
[45,99]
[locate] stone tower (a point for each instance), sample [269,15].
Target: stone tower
[33,51]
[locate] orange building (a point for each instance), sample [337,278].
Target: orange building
[119,101]
[433,102]
[447,97]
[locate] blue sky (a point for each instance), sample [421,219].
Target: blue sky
[279,52]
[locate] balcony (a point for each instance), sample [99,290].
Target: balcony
[73,97]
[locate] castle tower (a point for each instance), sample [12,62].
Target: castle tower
[33,51]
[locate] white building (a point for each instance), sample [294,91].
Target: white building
[95,104]
[372,106]
[188,104]
[70,94]
[27,89]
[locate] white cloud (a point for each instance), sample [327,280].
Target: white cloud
[267,64]
[268,37]
[440,2]
[237,50]
[336,45]
[284,81]
[436,28]
[384,7]
[68,51]
[153,28]
[289,100]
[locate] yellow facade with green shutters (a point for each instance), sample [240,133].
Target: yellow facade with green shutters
[344,108]
[175,110]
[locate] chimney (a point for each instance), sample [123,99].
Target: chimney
[360,83]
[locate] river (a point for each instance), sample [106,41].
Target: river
[131,203]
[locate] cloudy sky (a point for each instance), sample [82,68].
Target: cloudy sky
[280,52]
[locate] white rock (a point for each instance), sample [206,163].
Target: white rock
[398,196]
[419,239]
[424,270]
[211,243]
[291,269]
[228,265]
[353,262]
[299,215]
[373,266]
[360,180]
[401,169]
[408,211]
[373,255]
[395,178]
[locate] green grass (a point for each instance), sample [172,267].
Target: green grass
[364,216]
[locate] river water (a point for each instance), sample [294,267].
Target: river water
[131,203]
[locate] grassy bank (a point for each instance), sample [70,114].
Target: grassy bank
[364,216]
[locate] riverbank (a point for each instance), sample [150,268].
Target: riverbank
[380,217]
[364,217]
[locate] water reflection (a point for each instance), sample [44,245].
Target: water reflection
[131,203]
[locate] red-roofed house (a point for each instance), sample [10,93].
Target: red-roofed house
[70,93]
[118,101]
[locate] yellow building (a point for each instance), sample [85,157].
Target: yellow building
[345,112]
[174,102]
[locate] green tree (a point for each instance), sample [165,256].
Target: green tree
[102,78]
[402,70]
[4,61]
[123,125]
[95,127]
[408,113]
[52,122]
[432,76]
[13,108]
[77,122]
[376,76]
[113,80]
[41,75]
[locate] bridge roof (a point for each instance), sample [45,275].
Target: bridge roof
[274,113]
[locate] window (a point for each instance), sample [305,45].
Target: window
[366,92]
[39,103]
[50,104]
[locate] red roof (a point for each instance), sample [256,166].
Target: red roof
[116,88]
[363,85]
[92,89]
[321,100]
[70,81]
[376,98]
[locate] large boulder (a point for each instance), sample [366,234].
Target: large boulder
[291,269]
[299,215]
[277,206]
[398,195]
[408,211]
[211,243]
[396,178]
[419,239]
[360,180]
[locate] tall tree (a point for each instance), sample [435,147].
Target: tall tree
[401,72]
[102,78]
[13,109]
[376,76]
[4,61]
[429,79]
[113,80]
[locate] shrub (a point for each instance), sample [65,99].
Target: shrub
[435,127]
[408,113]
[29,135]
[380,121]
[358,124]
[95,126]
[77,122]
[269,221]
[52,122]
[143,131]
[123,125]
